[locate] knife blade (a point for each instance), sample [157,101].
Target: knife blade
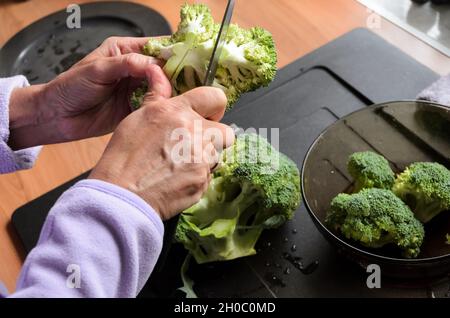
[218,46]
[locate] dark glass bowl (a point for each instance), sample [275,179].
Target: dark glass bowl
[404,132]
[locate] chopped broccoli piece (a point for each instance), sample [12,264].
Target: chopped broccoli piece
[376,217]
[370,170]
[254,187]
[425,187]
[248,59]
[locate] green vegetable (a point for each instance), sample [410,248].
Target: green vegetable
[254,188]
[188,283]
[425,187]
[137,98]
[370,170]
[248,59]
[375,218]
[447,236]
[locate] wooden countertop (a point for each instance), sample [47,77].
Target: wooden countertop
[298,26]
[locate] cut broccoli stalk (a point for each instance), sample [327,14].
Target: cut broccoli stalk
[375,218]
[246,195]
[425,187]
[188,283]
[248,60]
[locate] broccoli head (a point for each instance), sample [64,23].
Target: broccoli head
[254,188]
[376,217]
[370,170]
[425,187]
[248,60]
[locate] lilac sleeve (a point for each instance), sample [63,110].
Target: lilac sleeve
[99,240]
[10,160]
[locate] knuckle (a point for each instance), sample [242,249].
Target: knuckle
[183,122]
[110,40]
[131,59]
[153,111]
[97,66]
[197,196]
[182,101]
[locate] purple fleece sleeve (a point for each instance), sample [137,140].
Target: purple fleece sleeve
[10,160]
[99,240]
[439,92]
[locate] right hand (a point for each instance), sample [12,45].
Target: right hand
[139,156]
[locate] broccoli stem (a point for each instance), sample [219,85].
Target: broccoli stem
[245,199]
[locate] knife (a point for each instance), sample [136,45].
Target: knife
[218,46]
[171,225]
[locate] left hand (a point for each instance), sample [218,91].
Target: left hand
[88,100]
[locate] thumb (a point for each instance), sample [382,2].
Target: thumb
[158,84]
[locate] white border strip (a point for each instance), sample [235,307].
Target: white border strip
[394,19]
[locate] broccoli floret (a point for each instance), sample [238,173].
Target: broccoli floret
[425,187]
[254,187]
[376,217]
[248,59]
[370,170]
[137,98]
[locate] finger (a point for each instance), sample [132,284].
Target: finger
[109,70]
[124,45]
[116,46]
[158,84]
[220,135]
[210,155]
[208,102]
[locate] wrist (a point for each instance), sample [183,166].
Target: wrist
[30,121]
[108,176]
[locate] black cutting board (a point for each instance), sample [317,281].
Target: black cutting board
[48,47]
[308,95]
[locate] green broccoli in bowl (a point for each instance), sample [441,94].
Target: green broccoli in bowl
[370,170]
[375,218]
[425,187]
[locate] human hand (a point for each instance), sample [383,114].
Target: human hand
[143,155]
[88,100]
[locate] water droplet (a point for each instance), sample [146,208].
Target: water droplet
[277,265]
[293,248]
[268,244]
[287,271]
[286,239]
[311,268]
[274,279]
[267,264]
[294,231]
[58,50]
[296,261]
